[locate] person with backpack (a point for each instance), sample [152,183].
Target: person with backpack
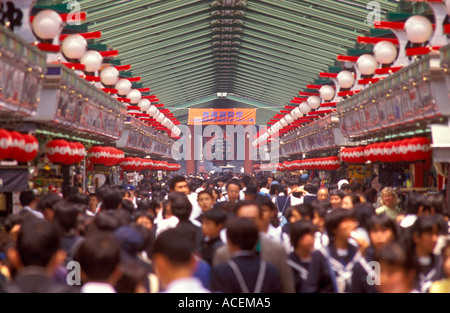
[245,271]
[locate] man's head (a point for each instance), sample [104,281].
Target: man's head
[173,256]
[38,244]
[233,189]
[180,205]
[425,232]
[179,184]
[242,234]
[99,258]
[322,194]
[336,197]
[251,193]
[301,212]
[93,202]
[28,198]
[212,222]
[47,203]
[112,198]
[205,200]
[251,210]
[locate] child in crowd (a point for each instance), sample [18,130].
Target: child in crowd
[213,222]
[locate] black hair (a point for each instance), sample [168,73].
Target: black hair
[16,219]
[243,233]
[246,180]
[354,198]
[371,195]
[127,205]
[424,224]
[334,218]
[263,181]
[437,201]
[37,242]
[363,213]
[311,188]
[145,214]
[48,201]
[180,205]
[233,182]
[104,222]
[78,198]
[356,187]
[133,274]
[205,192]
[304,210]
[70,191]
[26,198]
[218,216]
[337,192]
[345,186]
[111,198]
[244,203]
[299,229]
[173,182]
[383,221]
[396,255]
[99,256]
[413,202]
[66,215]
[321,207]
[175,246]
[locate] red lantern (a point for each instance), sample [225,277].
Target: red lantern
[97,155]
[71,157]
[381,152]
[79,152]
[420,149]
[109,156]
[5,144]
[127,164]
[403,149]
[58,151]
[359,156]
[30,149]
[18,145]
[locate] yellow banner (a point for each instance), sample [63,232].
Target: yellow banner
[222,117]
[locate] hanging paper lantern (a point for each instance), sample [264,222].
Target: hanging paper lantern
[92,61]
[123,87]
[79,152]
[304,108]
[346,79]
[296,113]
[327,93]
[385,52]
[144,105]
[127,164]
[30,149]
[314,102]
[58,151]
[70,158]
[5,144]
[359,157]
[418,29]
[289,119]
[97,155]
[417,149]
[367,64]
[109,76]
[18,145]
[74,46]
[47,24]
[135,96]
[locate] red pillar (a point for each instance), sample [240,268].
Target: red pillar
[248,163]
[190,156]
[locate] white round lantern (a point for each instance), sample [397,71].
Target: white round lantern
[367,64]
[254,143]
[418,29]
[346,79]
[327,93]
[123,87]
[296,113]
[74,46]
[314,102]
[269,132]
[109,76]
[304,108]
[289,119]
[385,52]
[134,96]
[47,24]
[152,110]
[144,105]
[283,122]
[92,61]
[165,122]
[160,118]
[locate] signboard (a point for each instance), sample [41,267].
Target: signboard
[222,117]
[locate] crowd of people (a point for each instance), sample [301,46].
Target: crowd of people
[227,233]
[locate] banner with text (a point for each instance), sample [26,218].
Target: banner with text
[222,117]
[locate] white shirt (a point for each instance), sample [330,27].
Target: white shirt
[166,224]
[296,201]
[186,285]
[97,288]
[277,235]
[264,190]
[34,212]
[196,209]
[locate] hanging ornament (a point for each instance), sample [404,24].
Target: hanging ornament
[418,29]
[346,79]
[74,46]
[47,24]
[123,87]
[109,76]
[92,61]
[385,52]
[367,64]
[327,93]
[314,102]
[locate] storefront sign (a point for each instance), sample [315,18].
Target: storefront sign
[222,116]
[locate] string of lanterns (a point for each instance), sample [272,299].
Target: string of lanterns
[16,146]
[359,74]
[138,164]
[47,25]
